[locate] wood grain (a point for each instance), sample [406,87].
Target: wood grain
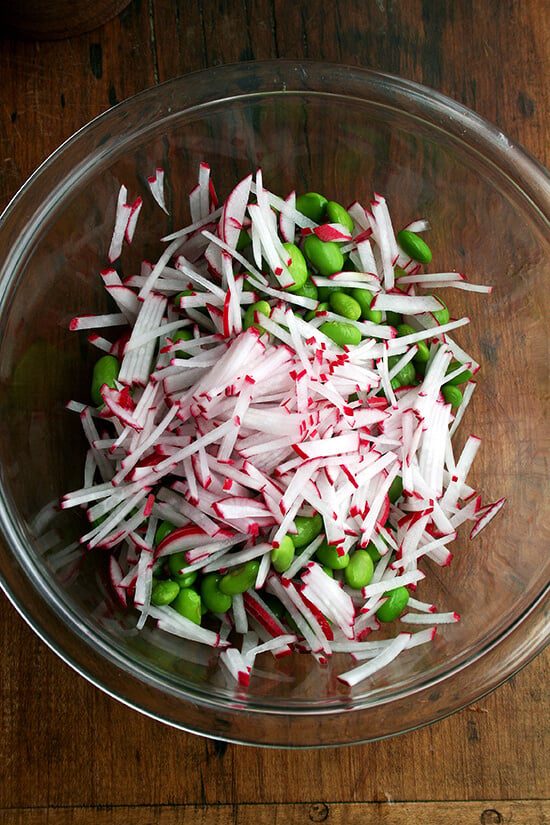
[65,744]
[48,19]
[70,754]
[339,813]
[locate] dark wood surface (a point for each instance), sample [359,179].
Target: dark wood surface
[68,753]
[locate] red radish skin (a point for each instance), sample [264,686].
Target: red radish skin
[332,232]
[488,515]
[156,186]
[115,574]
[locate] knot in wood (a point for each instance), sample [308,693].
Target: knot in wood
[491,817]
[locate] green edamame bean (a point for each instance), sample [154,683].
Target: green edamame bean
[421,367]
[213,598]
[158,568]
[394,319]
[406,374]
[441,315]
[176,565]
[405,377]
[342,334]
[99,520]
[164,592]
[307,529]
[308,290]
[283,555]
[328,571]
[392,360]
[461,378]
[182,335]
[328,556]
[422,355]
[243,240]
[324,255]
[452,395]
[323,307]
[297,266]
[364,299]
[177,302]
[312,205]
[423,352]
[359,571]
[247,286]
[414,246]
[274,605]
[288,620]
[337,214]
[106,371]
[239,579]
[324,292]
[164,528]
[188,603]
[372,550]
[394,605]
[345,305]
[177,298]
[396,489]
[398,272]
[260,307]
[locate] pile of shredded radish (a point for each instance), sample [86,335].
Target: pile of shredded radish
[249,430]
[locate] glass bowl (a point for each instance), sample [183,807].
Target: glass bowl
[347,132]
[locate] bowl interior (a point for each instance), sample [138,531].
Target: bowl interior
[484,224]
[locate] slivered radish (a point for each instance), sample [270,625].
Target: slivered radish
[115,573]
[383,234]
[488,515]
[135,209]
[430,618]
[332,232]
[275,645]
[110,319]
[262,613]
[233,213]
[305,619]
[172,622]
[287,223]
[123,212]
[237,665]
[183,538]
[389,652]
[405,304]
[237,428]
[156,185]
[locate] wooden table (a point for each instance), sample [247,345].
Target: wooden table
[68,753]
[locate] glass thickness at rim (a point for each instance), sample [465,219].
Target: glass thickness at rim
[203,89]
[163,103]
